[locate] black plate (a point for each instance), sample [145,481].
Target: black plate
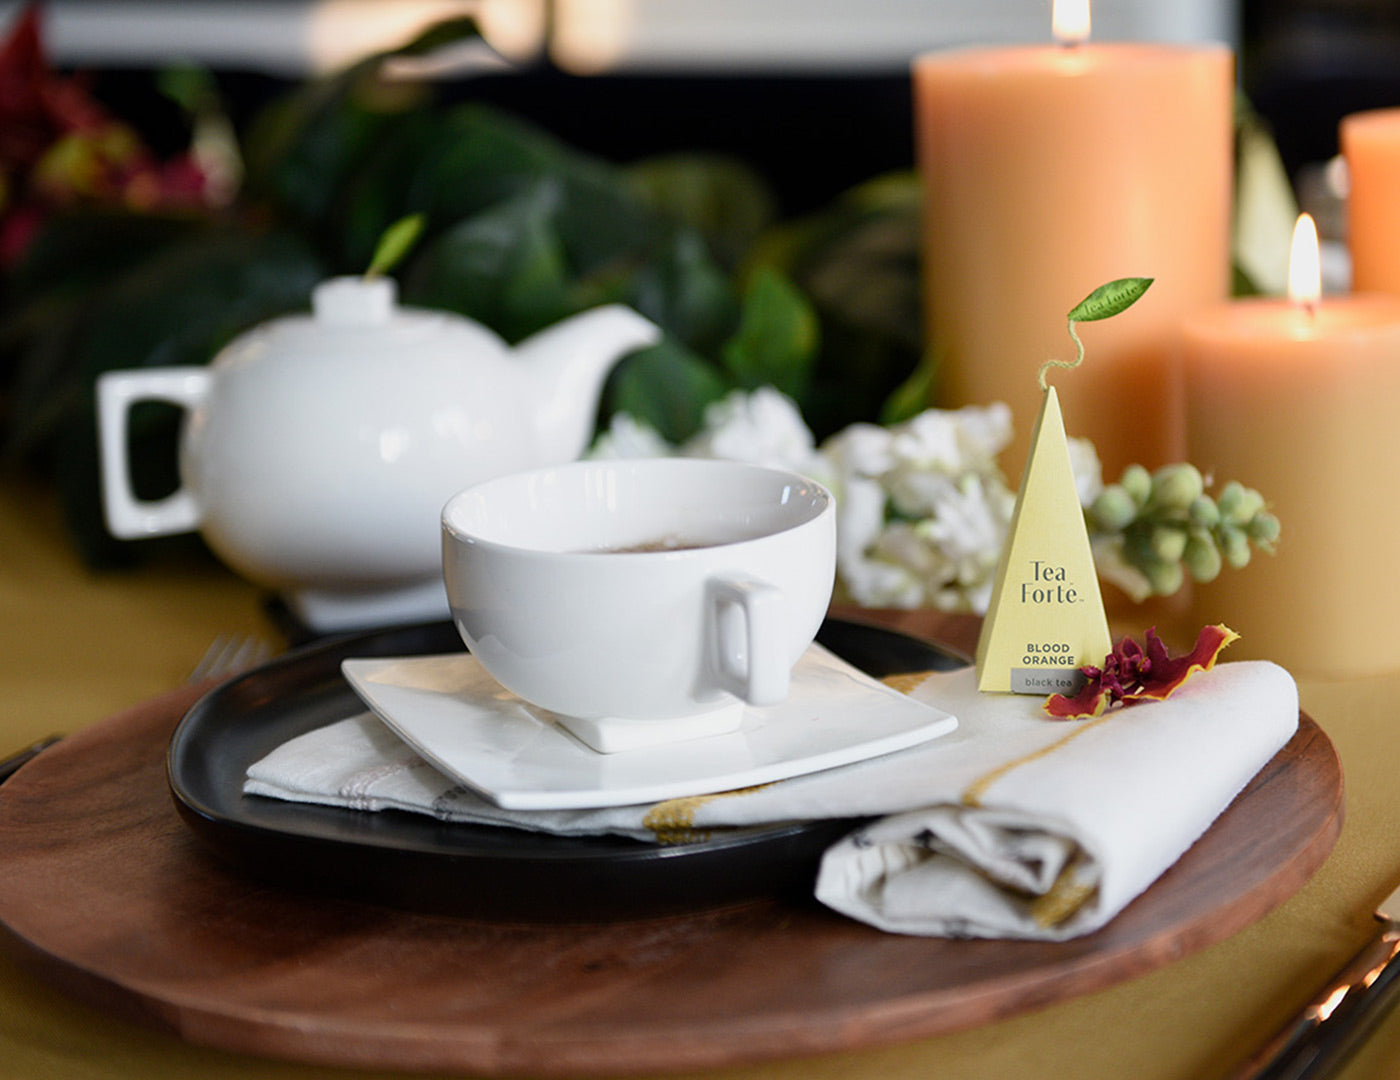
[414,861]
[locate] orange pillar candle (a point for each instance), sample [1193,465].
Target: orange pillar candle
[1297,398]
[1047,171]
[1371,146]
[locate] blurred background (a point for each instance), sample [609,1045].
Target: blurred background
[738,170]
[813,93]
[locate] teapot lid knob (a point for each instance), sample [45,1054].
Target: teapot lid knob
[354,301]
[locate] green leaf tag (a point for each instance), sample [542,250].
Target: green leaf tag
[394,244]
[1104,302]
[1108,300]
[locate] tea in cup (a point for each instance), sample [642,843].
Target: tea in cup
[641,602]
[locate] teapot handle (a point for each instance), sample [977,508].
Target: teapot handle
[746,639]
[127,516]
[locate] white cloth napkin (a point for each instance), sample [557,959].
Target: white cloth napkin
[1014,825]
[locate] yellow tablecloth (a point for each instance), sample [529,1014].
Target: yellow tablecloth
[77,646]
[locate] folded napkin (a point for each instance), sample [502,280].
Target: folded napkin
[1014,825]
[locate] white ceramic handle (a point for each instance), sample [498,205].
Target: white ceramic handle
[746,639]
[127,516]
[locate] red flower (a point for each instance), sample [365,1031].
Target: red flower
[1132,674]
[59,148]
[36,107]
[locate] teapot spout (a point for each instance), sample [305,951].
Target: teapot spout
[566,365]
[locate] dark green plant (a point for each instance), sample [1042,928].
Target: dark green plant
[519,230]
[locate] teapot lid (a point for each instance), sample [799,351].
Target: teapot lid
[355,301]
[355,317]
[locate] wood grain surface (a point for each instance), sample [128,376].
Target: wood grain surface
[105,892]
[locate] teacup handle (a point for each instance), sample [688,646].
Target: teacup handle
[746,637]
[127,516]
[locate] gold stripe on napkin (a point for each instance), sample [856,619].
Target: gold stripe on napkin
[673,821]
[973,795]
[1065,897]
[907,682]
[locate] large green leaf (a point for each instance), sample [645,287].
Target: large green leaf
[504,267]
[440,35]
[181,306]
[679,286]
[857,261]
[665,385]
[305,151]
[477,158]
[483,156]
[378,191]
[303,158]
[777,337]
[722,198]
[1265,208]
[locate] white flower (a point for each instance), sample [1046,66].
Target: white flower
[985,432]
[860,450]
[764,427]
[968,438]
[970,521]
[628,437]
[923,508]
[1088,471]
[864,574]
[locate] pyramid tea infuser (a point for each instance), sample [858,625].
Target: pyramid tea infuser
[1046,617]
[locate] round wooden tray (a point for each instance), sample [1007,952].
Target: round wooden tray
[104,891]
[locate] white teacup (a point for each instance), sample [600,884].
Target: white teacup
[632,647]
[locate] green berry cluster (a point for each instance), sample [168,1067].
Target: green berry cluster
[1169,526]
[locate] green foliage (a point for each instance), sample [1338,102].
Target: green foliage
[477,212]
[518,230]
[913,395]
[396,242]
[857,262]
[193,291]
[668,386]
[178,305]
[679,287]
[505,266]
[721,198]
[776,339]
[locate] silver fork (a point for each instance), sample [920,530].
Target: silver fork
[230,654]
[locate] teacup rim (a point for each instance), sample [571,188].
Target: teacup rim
[460,535]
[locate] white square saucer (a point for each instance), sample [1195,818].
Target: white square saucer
[454,714]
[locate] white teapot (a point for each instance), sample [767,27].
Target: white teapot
[317,450]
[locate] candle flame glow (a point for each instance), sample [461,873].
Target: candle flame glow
[1070,19]
[1304,264]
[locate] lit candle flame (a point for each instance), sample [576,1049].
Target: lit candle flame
[1304,265]
[1070,19]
